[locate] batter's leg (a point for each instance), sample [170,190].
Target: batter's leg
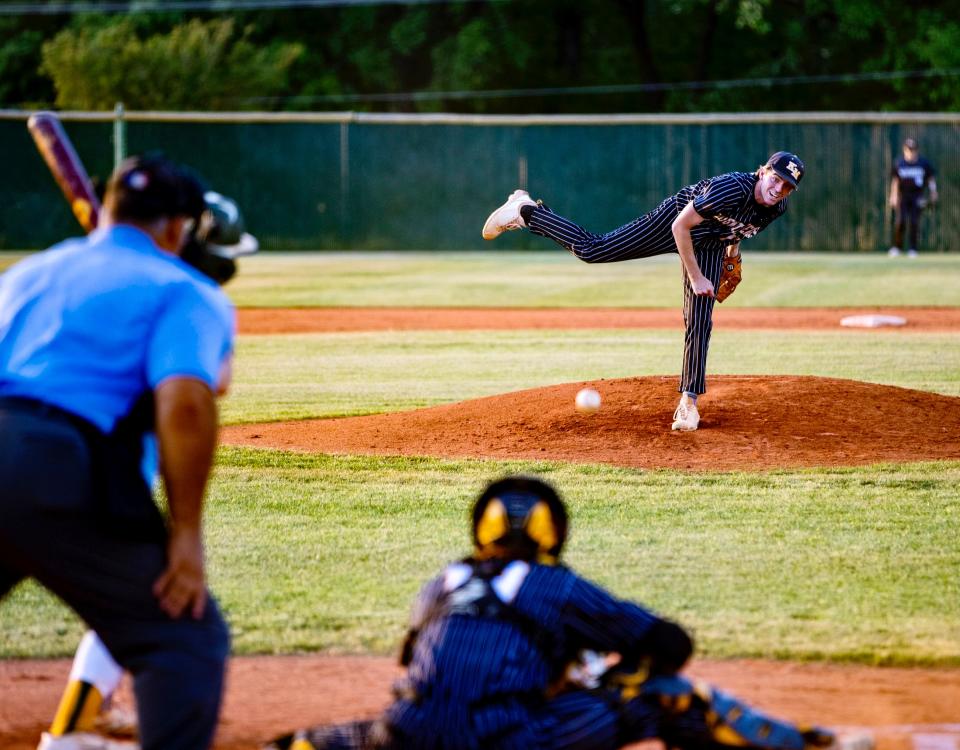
[643,237]
[93,679]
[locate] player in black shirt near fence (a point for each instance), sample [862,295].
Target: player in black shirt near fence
[911,177]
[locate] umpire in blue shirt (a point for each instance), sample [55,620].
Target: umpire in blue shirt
[105,343]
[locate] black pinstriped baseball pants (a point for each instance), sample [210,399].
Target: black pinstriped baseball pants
[645,237]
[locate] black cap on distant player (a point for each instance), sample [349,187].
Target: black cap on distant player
[910,143]
[788,166]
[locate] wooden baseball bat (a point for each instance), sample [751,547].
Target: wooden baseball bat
[58,152]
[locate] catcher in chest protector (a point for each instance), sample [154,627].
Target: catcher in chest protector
[510,649]
[703,223]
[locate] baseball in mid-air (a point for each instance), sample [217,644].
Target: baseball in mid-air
[587,401]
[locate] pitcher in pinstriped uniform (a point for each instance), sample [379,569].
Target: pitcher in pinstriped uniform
[703,223]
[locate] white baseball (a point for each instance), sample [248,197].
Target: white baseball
[587,401]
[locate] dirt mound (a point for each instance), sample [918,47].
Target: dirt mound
[747,422]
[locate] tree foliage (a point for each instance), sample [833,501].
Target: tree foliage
[207,65]
[498,56]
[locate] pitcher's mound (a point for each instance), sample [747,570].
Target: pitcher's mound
[747,422]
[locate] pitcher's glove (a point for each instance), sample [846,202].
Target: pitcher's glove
[729,277]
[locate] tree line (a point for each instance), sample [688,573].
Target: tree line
[500,56]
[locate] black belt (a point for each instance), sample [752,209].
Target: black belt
[44,409]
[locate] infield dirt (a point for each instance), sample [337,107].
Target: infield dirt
[269,695]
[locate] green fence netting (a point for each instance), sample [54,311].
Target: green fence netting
[366,182]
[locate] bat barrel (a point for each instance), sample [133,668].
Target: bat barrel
[65,165]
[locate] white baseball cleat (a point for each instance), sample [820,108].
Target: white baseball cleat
[507,217]
[82,741]
[893,252]
[911,253]
[686,418]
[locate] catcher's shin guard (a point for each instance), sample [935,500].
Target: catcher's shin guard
[698,716]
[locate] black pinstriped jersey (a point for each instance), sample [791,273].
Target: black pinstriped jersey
[474,674]
[728,207]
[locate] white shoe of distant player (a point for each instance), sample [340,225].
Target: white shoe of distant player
[893,252]
[686,418]
[507,217]
[82,741]
[911,253]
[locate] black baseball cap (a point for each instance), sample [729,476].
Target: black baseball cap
[910,143]
[151,186]
[788,166]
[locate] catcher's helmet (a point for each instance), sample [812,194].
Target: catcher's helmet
[519,518]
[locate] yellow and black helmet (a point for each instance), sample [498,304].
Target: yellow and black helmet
[519,518]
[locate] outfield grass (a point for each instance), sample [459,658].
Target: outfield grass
[554,278]
[323,553]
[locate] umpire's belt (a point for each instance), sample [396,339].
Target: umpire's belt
[124,500]
[43,409]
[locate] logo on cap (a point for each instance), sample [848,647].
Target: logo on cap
[793,169]
[137,180]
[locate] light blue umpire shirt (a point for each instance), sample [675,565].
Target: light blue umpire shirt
[92,323]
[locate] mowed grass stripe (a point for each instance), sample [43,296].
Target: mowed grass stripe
[554,278]
[325,553]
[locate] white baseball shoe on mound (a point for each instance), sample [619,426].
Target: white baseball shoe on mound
[686,418]
[82,741]
[507,217]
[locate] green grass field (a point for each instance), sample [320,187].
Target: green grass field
[324,553]
[554,278]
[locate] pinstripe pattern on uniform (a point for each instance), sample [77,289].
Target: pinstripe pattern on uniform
[643,237]
[728,207]
[698,319]
[479,681]
[730,212]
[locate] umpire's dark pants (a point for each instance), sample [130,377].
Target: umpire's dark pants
[52,528]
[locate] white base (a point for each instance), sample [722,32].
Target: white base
[872,321]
